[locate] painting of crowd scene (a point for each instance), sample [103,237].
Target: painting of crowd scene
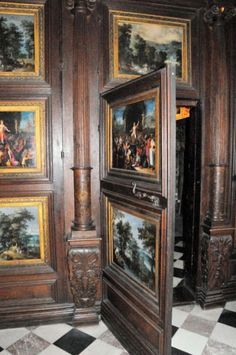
[17,38]
[17,139]
[134,137]
[19,233]
[134,246]
[143,47]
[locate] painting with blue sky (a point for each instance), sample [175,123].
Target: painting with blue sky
[19,233]
[135,246]
[135,136]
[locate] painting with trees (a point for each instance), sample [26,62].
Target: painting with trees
[142,44]
[135,136]
[21,137]
[21,40]
[135,246]
[22,232]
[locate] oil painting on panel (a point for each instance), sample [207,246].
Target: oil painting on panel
[142,44]
[21,137]
[23,230]
[135,241]
[21,38]
[135,136]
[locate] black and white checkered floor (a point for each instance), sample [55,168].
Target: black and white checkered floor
[195,331]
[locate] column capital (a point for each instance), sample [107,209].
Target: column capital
[81,6]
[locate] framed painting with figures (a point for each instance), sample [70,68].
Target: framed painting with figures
[22,137]
[133,135]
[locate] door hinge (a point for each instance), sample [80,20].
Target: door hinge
[62,155]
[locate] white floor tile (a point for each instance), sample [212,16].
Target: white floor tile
[176,281]
[53,350]
[180,244]
[98,347]
[179,264]
[52,332]
[210,314]
[178,317]
[231,306]
[177,255]
[10,336]
[224,334]
[189,342]
[94,330]
[5,352]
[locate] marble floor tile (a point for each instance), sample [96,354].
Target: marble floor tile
[199,325]
[185,308]
[177,255]
[10,336]
[210,314]
[231,306]
[74,342]
[179,264]
[94,330]
[30,344]
[189,342]
[178,317]
[224,334]
[53,350]
[176,281]
[52,332]
[215,348]
[109,338]
[228,317]
[5,352]
[98,347]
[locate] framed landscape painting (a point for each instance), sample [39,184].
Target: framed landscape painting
[133,135]
[22,41]
[143,43]
[134,245]
[22,137]
[23,230]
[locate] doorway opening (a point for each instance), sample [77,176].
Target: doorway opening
[187,202]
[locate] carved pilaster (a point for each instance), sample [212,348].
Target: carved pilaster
[215,255]
[83,247]
[84,261]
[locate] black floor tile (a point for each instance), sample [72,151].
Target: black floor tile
[181,295]
[174,330]
[1,349]
[178,352]
[179,249]
[179,273]
[74,342]
[228,318]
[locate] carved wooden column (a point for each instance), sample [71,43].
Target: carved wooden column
[83,246]
[216,240]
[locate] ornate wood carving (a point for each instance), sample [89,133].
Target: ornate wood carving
[219,11]
[215,254]
[84,274]
[84,6]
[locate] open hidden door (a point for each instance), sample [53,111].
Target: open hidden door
[137,198]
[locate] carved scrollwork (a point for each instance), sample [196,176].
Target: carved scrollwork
[84,275]
[215,254]
[82,6]
[219,11]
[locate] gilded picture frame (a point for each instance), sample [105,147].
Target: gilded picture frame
[22,138]
[24,231]
[141,43]
[23,57]
[134,239]
[133,135]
